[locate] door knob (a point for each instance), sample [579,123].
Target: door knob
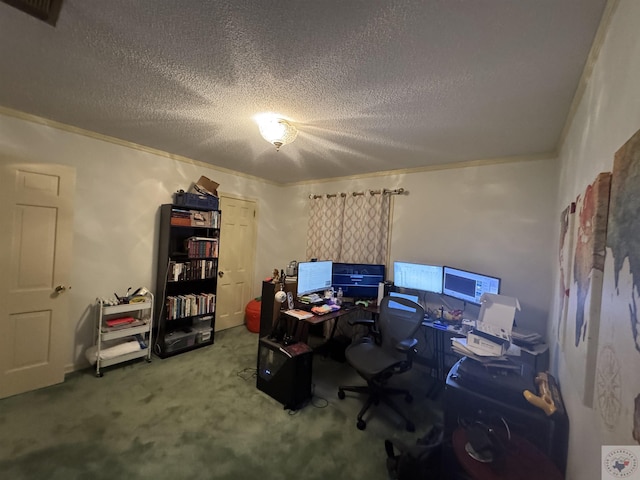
[61,288]
[221,274]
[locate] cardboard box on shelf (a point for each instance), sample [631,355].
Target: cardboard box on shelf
[498,310]
[205,186]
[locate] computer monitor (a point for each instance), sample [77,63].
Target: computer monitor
[468,286]
[417,276]
[314,277]
[358,280]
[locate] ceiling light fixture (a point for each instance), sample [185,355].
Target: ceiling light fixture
[276,130]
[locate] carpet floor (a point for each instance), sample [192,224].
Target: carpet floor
[199,415]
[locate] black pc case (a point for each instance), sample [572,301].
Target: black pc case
[284,372]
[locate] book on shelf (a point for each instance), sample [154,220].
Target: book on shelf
[201,247]
[192,270]
[190,305]
[195,218]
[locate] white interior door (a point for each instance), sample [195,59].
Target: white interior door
[237,254]
[36,231]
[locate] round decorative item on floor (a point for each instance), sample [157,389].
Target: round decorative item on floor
[521,460]
[252,315]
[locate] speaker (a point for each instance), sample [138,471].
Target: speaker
[284,372]
[496,400]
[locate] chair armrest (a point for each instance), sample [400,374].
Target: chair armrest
[371,327]
[406,345]
[362,321]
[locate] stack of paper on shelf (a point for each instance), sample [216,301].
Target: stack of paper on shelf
[486,339]
[526,337]
[299,314]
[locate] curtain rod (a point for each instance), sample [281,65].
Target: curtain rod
[384,191]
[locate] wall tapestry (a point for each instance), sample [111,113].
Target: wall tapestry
[585,294]
[564,263]
[617,388]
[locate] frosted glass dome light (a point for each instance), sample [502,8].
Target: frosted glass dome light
[276,130]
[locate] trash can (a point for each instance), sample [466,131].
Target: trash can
[252,315]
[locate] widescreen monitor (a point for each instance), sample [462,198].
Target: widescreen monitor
[468,286]
[358,280]
[314,277]
[417,276]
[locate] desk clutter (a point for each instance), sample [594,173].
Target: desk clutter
[324,309]
[492,340]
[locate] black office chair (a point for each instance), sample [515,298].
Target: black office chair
[387,352]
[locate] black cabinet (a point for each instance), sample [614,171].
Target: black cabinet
[474,395]
[186,282]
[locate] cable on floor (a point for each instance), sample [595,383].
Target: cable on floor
[247,373]
[315,401]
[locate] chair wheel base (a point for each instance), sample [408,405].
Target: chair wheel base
[341,394]
[361,424]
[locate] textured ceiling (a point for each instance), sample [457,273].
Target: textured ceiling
[372,85]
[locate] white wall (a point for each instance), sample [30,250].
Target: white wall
[493,219]
[118,193]
[608,115]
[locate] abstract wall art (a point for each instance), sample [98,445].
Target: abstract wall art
[565,261]
[581,329]
[618,400]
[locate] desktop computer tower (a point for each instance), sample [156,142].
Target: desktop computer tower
[284,372]
[473,394]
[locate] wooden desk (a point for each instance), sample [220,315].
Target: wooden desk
[299,329]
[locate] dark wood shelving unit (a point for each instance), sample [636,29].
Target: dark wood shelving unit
[186,280]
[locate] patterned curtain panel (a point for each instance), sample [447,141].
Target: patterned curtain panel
[365,230]
[324,235]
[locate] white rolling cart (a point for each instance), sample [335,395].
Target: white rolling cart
[139,330]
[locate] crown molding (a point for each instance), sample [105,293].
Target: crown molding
[123,143]
[587,72]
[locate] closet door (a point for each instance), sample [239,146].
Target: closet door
[36,230]
[237,257]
